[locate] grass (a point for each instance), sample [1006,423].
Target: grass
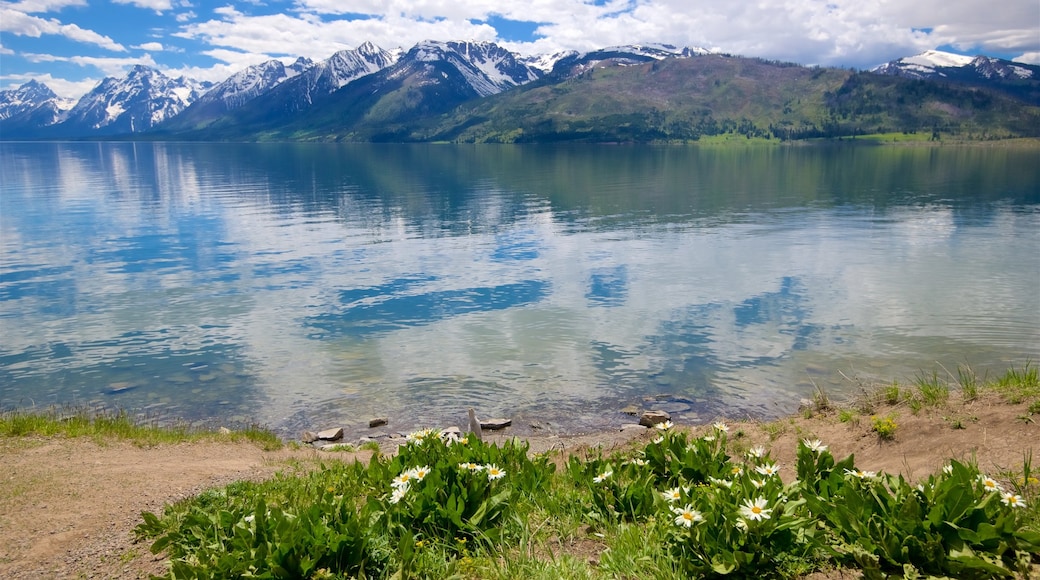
[103,425]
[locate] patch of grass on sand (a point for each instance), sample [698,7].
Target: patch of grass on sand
[105,424]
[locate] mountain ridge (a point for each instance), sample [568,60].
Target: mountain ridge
[454,90]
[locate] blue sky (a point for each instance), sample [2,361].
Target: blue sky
[72,44]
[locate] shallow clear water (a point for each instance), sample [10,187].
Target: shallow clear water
[308,285]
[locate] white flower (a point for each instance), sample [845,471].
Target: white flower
[989,484]
[398,493]
[1012,500]
[672,495]
[816,446]
[687,516]
[666,425]
[756,452]
[758,484]
[755,511]
[721,482]
[402,480]
[768,469]
[638,461]
[419,473]
[736,471]
[494,472]
[720,426]
[471,466]
[658,439]
[603,476]
[741,525]
[709,438]
[420,435]
[948,469]
[860,473]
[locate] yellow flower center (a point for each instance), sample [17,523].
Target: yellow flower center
[756,510]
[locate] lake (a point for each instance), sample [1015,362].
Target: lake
[309,285]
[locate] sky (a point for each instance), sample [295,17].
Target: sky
[71,45]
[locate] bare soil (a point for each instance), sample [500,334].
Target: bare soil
[68,507]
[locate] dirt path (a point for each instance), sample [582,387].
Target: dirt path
[68,507]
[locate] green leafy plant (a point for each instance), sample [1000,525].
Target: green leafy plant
[885,427]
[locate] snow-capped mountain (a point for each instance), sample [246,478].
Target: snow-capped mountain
[937,64]
[333,73]
[574,63]
[246,85]
[1021,81]
[487,68]
[137,102]
[30,108]
[29,99]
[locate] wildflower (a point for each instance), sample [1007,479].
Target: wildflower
[768,469]
[720,427]
[419,436]
[470,466]
[709,438]
[1012,500]
[721,482]
[494,472]
[402,480]
[666,425]
[419,473]
[948,469]
[736,471]
[658,439]
[860,473]
[687,516]
[816,446]
[755,511]
[741,525]
[672,495]
[758,483]
[398,493]
[756,452]
[603,476]
[989,484]
[638,461]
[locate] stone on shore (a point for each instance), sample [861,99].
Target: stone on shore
[377,422]
[308,436]
[651,418]
[495,424]
[331,434]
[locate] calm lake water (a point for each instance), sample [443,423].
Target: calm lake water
[303,285]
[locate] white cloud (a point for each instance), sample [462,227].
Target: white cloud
[1029,58]
[153,46]
[37,6]
[109,66]
[22,24]
[185,16]
[157,5]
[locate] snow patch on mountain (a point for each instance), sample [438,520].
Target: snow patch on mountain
[487,68]
[30,98]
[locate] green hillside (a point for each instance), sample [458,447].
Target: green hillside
[686,99]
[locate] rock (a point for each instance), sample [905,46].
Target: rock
[474,425]
[308,437]
[631,410]
[651,418]
[225,431]
[378,422]
[495,424]
[632,427]
[334,434]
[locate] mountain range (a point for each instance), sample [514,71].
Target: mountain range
[479,91]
